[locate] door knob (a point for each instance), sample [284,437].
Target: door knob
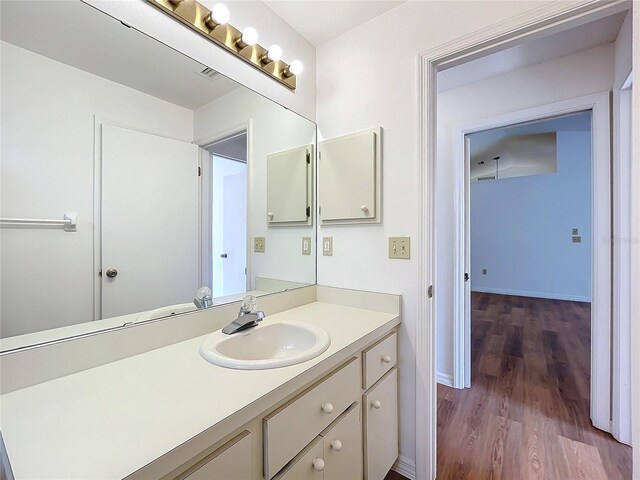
[112,273]
[223,255]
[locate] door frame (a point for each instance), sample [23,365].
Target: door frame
[206,246]
[598,104]
[544,20]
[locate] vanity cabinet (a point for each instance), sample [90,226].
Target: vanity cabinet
[295,424]
[230,462]
[336,454]
[381,426]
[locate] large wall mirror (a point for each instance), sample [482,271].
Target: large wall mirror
[133,176]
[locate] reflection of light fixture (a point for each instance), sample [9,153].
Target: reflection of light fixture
[219,15]
[248,38]
[272,55]
[294,69]
[207,22]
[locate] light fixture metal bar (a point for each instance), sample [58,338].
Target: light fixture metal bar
[192,14]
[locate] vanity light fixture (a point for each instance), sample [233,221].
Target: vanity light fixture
[294,69]
[274,54]
[213,25]
[248,38]
[219,15]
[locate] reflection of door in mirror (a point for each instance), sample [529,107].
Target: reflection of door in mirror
[161,211]
[228,227]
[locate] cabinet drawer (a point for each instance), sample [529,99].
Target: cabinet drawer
[380,405]
[343,446]
[306,466]
[379,359]
[230,462]
[296,424]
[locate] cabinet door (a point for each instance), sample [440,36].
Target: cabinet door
[307,465]
[381,426]
[288,179]
[348,178]
[343,447]
[231,462]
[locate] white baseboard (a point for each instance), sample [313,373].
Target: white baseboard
[406,467]
[444,379]
[526,293]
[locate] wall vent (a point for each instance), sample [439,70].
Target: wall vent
[490,177]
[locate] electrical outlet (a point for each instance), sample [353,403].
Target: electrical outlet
[400,247]
[576,239]
[484,271]
[327,246]
[258,244]
[306,245]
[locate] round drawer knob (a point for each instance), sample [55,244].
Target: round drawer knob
[318,464]
[364,208]
[327,407]
[376,404]
[386,358]
[336,445]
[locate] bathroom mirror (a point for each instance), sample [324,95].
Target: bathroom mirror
[132,176]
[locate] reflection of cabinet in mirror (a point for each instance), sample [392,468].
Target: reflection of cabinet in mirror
[289,187]
[349,174]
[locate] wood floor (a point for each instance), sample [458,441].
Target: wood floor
[527,413]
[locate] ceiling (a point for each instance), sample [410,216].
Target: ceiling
[321,21]
[571,41]
[81,36]
[488,144]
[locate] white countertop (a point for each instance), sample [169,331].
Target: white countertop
[111,420]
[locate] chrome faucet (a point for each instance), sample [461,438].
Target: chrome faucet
[203,299]
[247,318]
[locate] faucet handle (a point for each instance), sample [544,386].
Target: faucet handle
[260,315]
[249,303]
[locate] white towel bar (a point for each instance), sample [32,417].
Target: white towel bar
[69,222]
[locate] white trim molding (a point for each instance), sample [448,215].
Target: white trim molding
[526,293]
[547,19]
[445,379]
[405,467]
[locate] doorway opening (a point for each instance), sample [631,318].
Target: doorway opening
[224,205]
[485,421]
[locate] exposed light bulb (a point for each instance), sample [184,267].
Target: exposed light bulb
[249,37]
[220,13]
[296,67]
[274,53]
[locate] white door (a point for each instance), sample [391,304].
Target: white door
[467,260]
[234,277]
[149,221]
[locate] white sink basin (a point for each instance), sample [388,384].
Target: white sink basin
[269,345]
[167,311]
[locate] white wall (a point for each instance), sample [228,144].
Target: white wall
[273,129]
[521,228]
[635,254]
[271,29]
[367,77]
[567,77]
[47,168]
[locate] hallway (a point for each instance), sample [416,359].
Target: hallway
[527,413]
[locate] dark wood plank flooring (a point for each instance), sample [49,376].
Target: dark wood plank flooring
[526,415]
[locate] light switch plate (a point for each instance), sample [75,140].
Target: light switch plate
[576,239]
[306,245]
[258,244]
[575,231]
[484,271]
[400,247]
[327,246]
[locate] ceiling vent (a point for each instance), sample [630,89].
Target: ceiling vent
[208,73]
